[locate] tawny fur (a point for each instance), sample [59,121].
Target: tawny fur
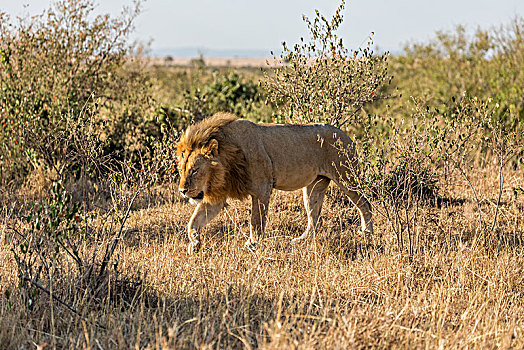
[227,157]
[229,178]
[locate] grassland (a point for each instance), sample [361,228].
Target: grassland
[338,290]
[93,245]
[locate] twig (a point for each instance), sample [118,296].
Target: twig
[182,110]
[477,200]
[117,238]
[501,187]
[69,307]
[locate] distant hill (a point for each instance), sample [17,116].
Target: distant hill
[207,52]
[194,52]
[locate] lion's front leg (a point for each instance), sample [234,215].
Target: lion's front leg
[259,207]
[204,213]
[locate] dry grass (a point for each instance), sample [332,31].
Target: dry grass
[335,291]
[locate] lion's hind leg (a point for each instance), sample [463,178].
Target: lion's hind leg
[313,198]
[362,204]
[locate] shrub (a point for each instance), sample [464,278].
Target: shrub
[486,64]
[230,92]
[474,128]
[55,65]
[322,80]
[411,161]
[50,250]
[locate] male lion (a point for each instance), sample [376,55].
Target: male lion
[226,157]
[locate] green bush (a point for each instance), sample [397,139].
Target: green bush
[230,92]
[488,64]
[58,69]
[322,81]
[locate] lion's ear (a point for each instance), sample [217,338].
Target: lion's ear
[211,149]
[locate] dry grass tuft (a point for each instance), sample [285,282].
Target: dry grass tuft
[338,290]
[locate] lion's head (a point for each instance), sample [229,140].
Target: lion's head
[211,166]
[196,169]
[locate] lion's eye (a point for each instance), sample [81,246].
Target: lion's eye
[193,172]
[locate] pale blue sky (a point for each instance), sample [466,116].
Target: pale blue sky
[263,25]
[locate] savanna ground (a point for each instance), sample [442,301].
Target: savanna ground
[335,291]
[93,248]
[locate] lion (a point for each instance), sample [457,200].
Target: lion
[224,156]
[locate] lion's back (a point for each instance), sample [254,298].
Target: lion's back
[294,155]
[290,142]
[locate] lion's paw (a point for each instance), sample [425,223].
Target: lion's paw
[367,233]
[250,246]
[193,247]
[297,240]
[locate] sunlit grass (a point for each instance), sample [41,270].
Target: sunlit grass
[335,291]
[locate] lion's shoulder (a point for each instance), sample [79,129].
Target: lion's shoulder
[198,135]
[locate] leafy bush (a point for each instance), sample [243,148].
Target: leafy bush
[55,65]
[225,93]
[50,249]
[486,64]
[323,81]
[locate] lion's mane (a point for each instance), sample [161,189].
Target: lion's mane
[230,178]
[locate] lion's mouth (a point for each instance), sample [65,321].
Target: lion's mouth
[199,196]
